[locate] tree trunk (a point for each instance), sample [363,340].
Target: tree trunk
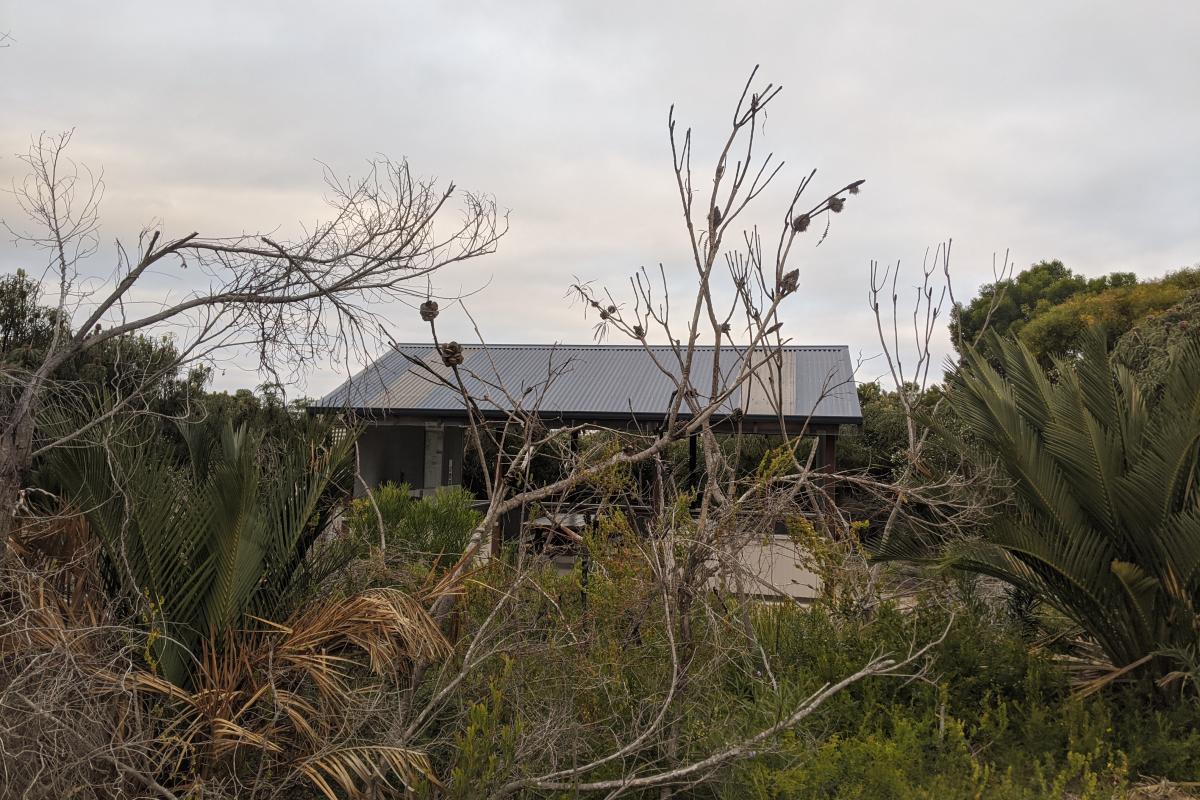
[16,452]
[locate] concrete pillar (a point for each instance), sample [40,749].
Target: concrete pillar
[452,455]
[435,436]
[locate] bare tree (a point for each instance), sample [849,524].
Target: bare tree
[288,300]
[692,537]
[955,500]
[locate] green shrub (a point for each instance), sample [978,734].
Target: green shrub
[991,717]
[432,530]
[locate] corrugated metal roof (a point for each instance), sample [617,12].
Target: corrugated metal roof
[583,382]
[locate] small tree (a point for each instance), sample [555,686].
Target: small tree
[290,301]
[725,335]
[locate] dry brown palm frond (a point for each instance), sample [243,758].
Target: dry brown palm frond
[1164,789]
[291,691]
[1088,687]
[352,768]
[385,624]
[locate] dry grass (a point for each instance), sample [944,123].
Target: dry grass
[274,708]
[1165,790]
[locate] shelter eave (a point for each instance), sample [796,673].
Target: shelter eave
[754,423]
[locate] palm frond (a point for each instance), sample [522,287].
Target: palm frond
[1106,521]
[356,769]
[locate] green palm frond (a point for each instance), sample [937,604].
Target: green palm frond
[1106,520]
[204,545]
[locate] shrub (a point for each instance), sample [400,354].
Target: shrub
[431,530]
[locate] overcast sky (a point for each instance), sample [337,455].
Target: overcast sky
[1064,130]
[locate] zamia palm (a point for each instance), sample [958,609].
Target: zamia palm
[1106,520]
[205,545]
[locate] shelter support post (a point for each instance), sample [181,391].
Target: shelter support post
[434,445]
[828,452]
[692,478]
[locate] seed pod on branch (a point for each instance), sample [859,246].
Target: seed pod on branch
[789,283]
[836,204]
[451,353]
[429,310]
[800,223]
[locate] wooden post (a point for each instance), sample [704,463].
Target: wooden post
[692,477]
[497,538]
[828,448]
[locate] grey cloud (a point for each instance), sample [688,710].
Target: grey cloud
[1059,129]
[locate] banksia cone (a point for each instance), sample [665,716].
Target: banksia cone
[836,204]
[724,327]
[715,216]
[789,283]
[429,310]
[800,223]
[451,353]
[639,331]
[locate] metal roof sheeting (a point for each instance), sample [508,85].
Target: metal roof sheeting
[583,382]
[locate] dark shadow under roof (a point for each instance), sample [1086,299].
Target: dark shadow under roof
[596,383]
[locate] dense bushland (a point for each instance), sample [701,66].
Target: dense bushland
[297,663]
[993,714]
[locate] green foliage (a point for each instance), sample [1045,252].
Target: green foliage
[992,717]
[1105,526]
[880,444]
[117,367]
[432,530]
[26,326]
[1050,308]
[206,544]
[263,410]
[1146,348]
[997,720]
[1032,292]
[1059,330]
[486,747]
[142,371]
